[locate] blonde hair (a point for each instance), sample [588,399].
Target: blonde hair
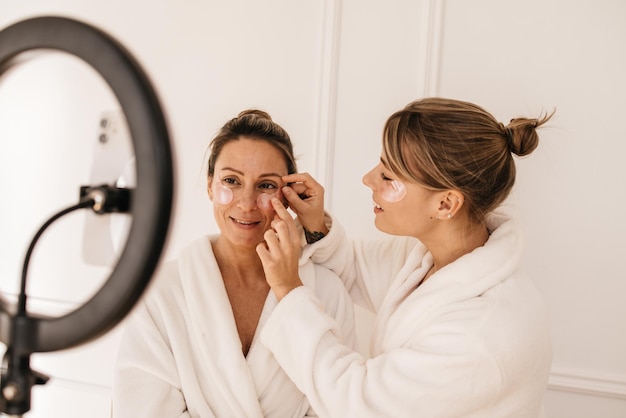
[450,144]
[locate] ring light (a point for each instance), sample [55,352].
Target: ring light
[151,199]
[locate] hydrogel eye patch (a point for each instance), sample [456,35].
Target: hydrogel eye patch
[263,201]
[393,191]
[222,194]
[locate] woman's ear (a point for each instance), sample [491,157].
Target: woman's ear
[450,204]
[209,187]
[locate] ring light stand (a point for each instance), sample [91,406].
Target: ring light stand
[150,205]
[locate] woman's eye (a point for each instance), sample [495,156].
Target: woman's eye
[384,177]
[270,186]
[229,180]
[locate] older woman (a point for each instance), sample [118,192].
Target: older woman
[191,347]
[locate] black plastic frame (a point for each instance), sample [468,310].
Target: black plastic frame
[152,200]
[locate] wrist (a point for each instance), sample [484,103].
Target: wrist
[282,291]
[314,235]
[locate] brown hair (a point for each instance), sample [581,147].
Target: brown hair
[449,144]
[253,124]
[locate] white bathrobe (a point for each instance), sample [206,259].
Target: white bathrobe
[472,341]
[181,355]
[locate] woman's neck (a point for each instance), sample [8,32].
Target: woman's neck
[455,239]
[243,263]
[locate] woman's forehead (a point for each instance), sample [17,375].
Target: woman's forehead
[252,157]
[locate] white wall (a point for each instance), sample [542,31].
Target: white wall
[568,56]
[331,72]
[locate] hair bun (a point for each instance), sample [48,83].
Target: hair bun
[256,112]
[521,134]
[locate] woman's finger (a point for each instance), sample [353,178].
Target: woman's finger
[271,238]
[298,188]
[311,186]
[285,226]
[304,178]
[280,210]
[294,199]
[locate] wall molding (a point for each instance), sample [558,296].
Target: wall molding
[587,383]
[330,38]
[430,48]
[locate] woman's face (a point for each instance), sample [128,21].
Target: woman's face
[401,207]
[247,173]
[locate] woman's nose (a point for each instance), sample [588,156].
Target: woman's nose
[247,200]
[368,180]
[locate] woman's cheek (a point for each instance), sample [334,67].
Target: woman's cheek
[393,191]
[222,194]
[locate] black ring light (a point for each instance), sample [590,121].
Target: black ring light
[151,200]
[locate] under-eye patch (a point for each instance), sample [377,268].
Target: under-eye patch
[393,191]
[222,194]
[263,201]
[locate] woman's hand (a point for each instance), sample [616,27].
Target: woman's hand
[280,252]
[306,199]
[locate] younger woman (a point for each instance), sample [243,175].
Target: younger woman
[460,330]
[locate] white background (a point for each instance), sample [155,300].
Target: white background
[331,72]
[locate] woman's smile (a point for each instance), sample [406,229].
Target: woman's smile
[248,224]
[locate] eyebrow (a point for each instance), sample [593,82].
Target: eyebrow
[384,162]
[242,173]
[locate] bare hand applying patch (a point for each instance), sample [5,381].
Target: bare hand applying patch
[280,252]
[306,198]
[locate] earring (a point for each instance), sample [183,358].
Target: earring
[449,216]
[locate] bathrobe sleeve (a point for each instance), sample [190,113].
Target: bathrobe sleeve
[471,342]
[365,267]
[448,373]
[337,304]
[146,370]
